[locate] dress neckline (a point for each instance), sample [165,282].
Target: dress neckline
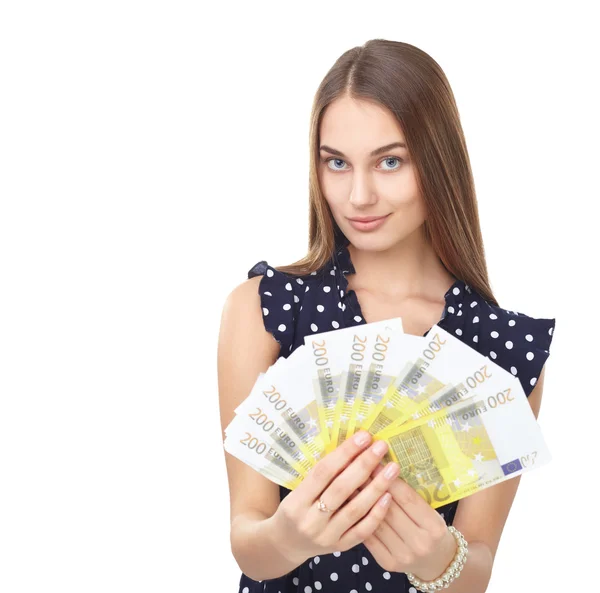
[349,298]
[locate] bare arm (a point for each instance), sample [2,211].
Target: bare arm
[246,349]
[256,547]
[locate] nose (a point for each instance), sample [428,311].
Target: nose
[362,193]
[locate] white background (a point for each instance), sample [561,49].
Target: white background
[150,154]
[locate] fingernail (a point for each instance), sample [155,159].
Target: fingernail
[391,471]
[380,447]
[362,437]
[386,499]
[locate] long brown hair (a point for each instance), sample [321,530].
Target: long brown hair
[413,87]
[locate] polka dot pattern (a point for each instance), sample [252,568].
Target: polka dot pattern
[520,344]
[293,308]
[281,302]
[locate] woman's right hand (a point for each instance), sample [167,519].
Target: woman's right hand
[304,531]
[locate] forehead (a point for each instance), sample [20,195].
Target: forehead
[358,126]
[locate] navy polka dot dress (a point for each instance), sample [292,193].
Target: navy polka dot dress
[294,307]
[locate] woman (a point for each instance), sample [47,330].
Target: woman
[386,144]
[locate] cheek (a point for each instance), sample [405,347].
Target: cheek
[402,191]
[335,192]
[408,201]
[409,214]
[411,208]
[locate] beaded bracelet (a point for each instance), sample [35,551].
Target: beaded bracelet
[452,572]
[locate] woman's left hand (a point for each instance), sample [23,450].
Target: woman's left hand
[413,537]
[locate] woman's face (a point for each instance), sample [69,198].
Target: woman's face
[357,183]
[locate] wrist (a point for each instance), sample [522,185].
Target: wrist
[280,544]
[446,553]
[452,572]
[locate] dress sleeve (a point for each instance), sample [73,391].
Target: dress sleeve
[278,301]
[518,343]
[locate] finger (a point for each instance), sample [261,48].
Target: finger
[380,467]
[389,538]
[354,495]
[378,549]
[414,507]
[337,493]
[359,506]
[351,497]
[324,472]
[416,513]
[401,524]
[399,533]
[363,529]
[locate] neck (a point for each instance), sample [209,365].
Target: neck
[408,268]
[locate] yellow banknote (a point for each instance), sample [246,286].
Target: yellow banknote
[279,434]
[331,354]
[289,405]
[465,448]
[389,343]
[255,452]
[409,392]
[444,371]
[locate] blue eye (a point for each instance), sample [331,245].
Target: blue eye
[337,160]
[334,159]
[392,158]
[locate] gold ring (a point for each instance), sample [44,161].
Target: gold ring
[323,507]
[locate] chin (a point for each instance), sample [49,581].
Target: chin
[371,241]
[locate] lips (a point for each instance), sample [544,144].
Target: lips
[368,223]
[367,218]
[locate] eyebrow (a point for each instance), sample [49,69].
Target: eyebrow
[375,152]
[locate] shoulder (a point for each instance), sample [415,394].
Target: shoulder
[241,327]
[281,297]
[518,342]
[280,281]
[281,287]
[242,305]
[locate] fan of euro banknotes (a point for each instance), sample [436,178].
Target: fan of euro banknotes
[454,420]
